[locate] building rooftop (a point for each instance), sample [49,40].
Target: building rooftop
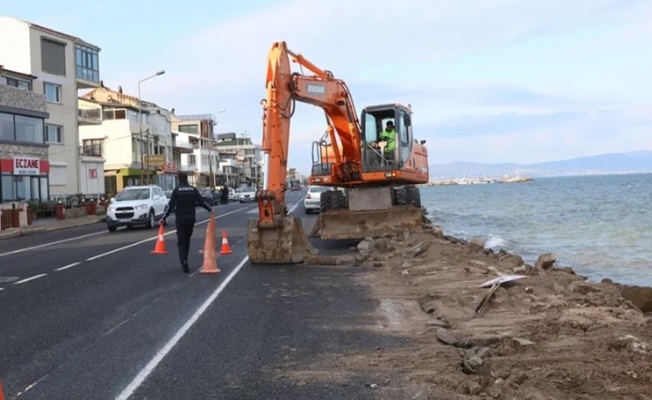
[16,73]
[196,117]
[57,33]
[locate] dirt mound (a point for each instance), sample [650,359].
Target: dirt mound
[549,335]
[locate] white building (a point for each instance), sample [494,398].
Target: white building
[202,164]
[64,64]
[132,158]
[247,156]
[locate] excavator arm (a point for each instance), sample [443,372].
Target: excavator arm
[284,89]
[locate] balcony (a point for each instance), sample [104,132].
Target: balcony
[182,147]
[91,150]
[91,116]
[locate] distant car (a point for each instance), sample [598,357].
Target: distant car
[246,194]
[136,206]
[313,198]
[211,197]
[295,188]
[233,195]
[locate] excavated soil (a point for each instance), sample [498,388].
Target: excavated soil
[550,335]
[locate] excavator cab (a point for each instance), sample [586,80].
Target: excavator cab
[377,155]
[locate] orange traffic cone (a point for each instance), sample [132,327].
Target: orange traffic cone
[226,249]
[159,248]
[210,258]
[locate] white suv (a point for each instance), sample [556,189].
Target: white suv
[136,205]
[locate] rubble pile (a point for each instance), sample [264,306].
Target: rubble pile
[543,333]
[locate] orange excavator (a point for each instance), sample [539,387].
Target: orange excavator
[372,177]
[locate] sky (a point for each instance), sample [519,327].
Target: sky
[488,80]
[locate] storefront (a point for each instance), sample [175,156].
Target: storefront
[24,179]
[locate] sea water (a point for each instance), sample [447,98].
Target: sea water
[599,225]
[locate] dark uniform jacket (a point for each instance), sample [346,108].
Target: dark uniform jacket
[183,201]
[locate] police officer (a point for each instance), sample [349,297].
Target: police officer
[183,201]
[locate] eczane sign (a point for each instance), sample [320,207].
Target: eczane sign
[27,166]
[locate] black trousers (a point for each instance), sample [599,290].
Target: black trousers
[184,233]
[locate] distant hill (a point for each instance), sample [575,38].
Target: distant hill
[635,161]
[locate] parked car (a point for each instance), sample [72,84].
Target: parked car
[246,194]
[312,200]
[168,193]
[136,206]
[233,196]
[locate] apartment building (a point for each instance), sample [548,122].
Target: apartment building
[24,165]
[134,138]
[203,164]
[247,155]
[64,65]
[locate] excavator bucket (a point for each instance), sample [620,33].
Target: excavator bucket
[285,244]
[349,224]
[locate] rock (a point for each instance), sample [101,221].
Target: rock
[477,244]
[438,323]
[520,269]
[417,250]
[521,342]
[511,260]
[377,264]
[474,388]
[519,378]
[476,361]
[384,246]
[545,261]
[640,296]
[360,259]
[366,245]
[584,287]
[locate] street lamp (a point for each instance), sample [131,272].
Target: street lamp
[140,126]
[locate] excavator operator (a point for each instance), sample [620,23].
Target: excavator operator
[389,135]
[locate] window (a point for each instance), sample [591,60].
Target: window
[88,63]
[402,129]
[189,128]
[52,92]
[192,159]
[29,129]
[8,188]
[17,188]
[54,134]
[114,114]
[53,57]
[19,83]
[92,147]
[7,130]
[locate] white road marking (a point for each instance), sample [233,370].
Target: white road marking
[294,207]
[40,246]
[31,278]
[68,266]
[149,368]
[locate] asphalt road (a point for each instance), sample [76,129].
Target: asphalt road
[88,314]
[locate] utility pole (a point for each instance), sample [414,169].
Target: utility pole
[140,127]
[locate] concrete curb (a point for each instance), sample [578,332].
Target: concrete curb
[33,231]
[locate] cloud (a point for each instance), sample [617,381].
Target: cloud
[433,54]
